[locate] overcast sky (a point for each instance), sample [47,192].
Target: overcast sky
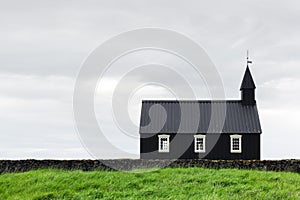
[44,43]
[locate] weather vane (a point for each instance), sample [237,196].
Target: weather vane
[248,61]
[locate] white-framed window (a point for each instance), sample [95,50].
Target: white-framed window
[164,143]
[199,143]
[235,143]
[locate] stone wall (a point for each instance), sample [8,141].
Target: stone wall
[7,166]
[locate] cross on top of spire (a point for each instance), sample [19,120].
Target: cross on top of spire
[248,61]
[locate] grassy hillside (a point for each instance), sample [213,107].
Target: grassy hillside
[192,183]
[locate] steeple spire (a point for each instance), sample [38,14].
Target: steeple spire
[248,86]
[247,82]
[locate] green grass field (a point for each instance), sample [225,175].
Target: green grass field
[180,183]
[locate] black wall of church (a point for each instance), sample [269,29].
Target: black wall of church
[217,147]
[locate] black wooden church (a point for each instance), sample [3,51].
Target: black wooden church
[238,138]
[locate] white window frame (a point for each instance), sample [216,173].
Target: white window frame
[239,137]
[195,143]
[159,141]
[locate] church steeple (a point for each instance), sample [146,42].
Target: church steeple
[248,87]
[247,82]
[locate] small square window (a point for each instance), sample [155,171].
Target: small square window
[236,144]
[199,143]
[163,143]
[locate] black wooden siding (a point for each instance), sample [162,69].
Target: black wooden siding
[182,147]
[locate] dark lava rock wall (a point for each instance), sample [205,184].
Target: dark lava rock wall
[7,166]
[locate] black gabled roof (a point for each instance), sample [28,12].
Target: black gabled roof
[238,118]
[247,82]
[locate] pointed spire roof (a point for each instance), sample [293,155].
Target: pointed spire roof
[247,82]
